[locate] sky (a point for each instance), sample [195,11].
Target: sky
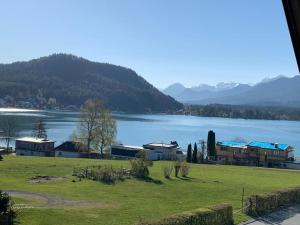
[165,41]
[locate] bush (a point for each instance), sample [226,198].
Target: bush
[215,215]
[1,157]
[184,169]
[139,168]
[264,203]
[177,166]
[106,174]
[6,211]
[168,169]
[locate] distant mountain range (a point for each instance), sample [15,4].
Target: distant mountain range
[278,91]
[71,80]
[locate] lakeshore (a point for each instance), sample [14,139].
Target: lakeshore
[138,129]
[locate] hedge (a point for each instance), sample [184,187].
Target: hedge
[264,203]
[214,215]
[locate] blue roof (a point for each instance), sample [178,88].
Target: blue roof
[267,145]
[232,144]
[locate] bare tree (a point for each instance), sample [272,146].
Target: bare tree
[96,128]
[105,132]
[39,130]
[9,130]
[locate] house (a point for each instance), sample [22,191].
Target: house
[153,151]
[70,149]
[161,151]
[31,146]
[254,152]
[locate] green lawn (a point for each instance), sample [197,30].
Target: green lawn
[133,200]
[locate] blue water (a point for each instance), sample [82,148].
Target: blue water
[141,129]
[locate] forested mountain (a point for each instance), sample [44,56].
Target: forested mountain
[71,80]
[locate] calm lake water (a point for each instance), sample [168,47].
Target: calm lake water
[141,129]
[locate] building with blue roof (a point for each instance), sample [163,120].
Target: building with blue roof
[253,153]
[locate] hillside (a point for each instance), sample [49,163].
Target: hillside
[71,80]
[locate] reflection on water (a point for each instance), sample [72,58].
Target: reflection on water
[140,129]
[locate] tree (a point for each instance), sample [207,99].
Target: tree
[189,154]
[202,155]
[195,152]
[39,131]
[9,130]
[6,207]
[211,144]
[106,132]
[97,128]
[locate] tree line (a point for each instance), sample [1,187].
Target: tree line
[206,152]
[244,111]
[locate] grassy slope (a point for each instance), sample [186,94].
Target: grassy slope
[132,201]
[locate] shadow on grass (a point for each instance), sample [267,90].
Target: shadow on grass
[186,178]
[150,180]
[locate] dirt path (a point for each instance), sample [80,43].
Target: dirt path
[48,201]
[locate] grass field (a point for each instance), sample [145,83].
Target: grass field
[90,202]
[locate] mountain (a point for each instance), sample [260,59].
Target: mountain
[174,89]
[282,91]
[71,80]
[277,91]
[203,91]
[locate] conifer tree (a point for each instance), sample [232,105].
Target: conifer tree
[189,154]
[211,144]
[195,152]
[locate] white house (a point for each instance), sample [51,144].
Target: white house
[161,151]
[69,149]
[153,151]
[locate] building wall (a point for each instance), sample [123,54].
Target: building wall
[46,146]
[32,152]
[250,154]
[66,154]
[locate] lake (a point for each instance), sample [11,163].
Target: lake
[141,129]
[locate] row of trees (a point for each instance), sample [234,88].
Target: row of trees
[244,111]
[208,151]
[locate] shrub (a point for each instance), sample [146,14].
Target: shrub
[168,169]
[263,203]
[6,210]
[177,166]
[1,158]
[139,168]
[215,215]
[184,169]
[106,174]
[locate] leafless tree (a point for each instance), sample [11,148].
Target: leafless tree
[106,131]
[9,130]
[97,128]
[39,130]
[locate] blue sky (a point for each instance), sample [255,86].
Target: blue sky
[165,41]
